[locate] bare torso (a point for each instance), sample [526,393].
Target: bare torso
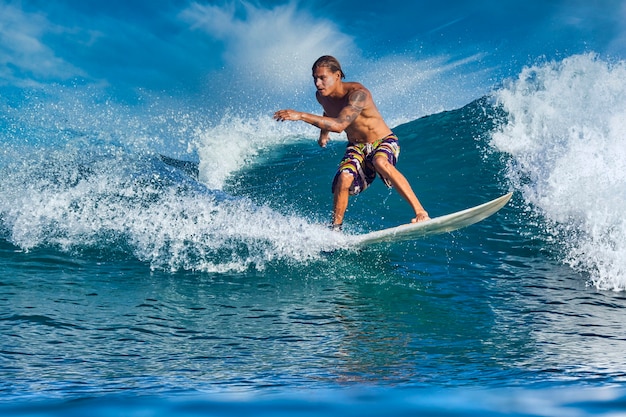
[368,126]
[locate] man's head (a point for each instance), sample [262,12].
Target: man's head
[327,75]
[329,62]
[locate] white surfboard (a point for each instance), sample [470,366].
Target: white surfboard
[443,224]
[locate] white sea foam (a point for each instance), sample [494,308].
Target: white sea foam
[236,142]
[113,201]
[566,134]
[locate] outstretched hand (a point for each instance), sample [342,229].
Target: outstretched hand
[282,115]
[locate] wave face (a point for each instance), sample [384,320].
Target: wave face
[255,192]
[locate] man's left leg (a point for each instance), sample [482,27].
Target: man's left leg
[399,182]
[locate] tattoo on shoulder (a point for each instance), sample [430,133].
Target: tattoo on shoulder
[358,99]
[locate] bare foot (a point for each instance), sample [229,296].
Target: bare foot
[422,216]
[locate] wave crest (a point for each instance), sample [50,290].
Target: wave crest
[566,135]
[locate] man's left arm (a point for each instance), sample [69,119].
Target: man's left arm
[324,138]
[338,124]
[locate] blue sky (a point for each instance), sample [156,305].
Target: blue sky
[234,51]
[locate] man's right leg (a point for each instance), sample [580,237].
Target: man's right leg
[341,194]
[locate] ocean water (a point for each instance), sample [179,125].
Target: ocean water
[164,246]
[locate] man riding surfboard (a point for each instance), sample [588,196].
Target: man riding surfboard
[372,147]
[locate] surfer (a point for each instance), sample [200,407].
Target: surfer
[372,146]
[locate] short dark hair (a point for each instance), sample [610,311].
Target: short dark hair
[329,62]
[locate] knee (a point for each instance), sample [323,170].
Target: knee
[344,182]
[382,166]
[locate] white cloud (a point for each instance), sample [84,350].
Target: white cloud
[275,47]
[24,58]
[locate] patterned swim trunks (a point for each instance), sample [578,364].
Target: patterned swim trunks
[358,161]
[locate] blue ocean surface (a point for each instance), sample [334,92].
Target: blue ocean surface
[164,247]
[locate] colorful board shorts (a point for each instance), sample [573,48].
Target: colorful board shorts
[358,161]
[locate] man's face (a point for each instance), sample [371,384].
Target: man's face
[325,80]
